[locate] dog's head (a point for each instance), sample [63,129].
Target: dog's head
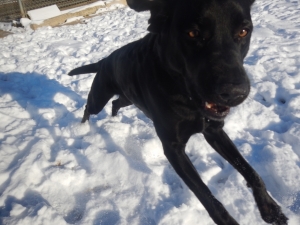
[206,43]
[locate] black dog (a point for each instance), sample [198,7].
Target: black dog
[185,75]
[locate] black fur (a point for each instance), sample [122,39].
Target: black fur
[185,75]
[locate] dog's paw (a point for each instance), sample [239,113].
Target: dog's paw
[115,107]
[271,212]
[114,111]
[86,116]
[281,220]
[274,216]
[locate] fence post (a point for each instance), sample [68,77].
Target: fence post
[21,9]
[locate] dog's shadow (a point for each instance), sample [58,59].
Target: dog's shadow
[44,104]
[37,110]
[31,203]
[41,100]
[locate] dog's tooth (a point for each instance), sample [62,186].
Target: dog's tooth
[208,105]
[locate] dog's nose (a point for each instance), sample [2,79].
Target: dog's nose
[233,94]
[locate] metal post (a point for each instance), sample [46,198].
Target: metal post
[21,9]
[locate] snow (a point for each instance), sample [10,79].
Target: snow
[44,13]
[5,26]
[25,22]
[74,19]
[54,170]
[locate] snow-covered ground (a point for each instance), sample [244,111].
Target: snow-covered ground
[112,171]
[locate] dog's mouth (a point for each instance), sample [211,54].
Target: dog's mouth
[215,111]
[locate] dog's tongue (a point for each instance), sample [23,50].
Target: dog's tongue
[216,108]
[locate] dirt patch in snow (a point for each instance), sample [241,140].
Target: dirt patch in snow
[4,33]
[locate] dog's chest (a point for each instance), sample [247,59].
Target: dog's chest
[184,107]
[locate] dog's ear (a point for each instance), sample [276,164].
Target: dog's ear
[143,5]
[157,20]
[158,10]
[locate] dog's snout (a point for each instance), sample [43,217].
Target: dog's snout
[233,94]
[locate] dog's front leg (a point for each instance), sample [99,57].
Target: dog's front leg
[268,208]
[175,153]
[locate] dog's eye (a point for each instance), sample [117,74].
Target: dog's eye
[243,33]
[193,33]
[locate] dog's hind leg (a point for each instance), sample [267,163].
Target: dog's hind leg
[86,116]
[122,101]
[100,93]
